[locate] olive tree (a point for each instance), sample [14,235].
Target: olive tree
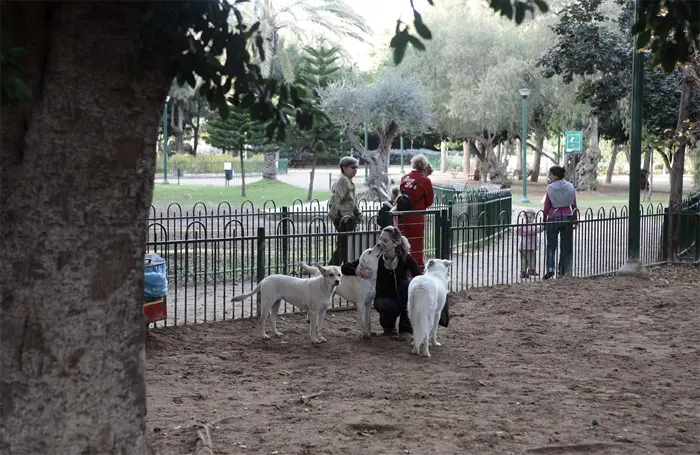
[396,103]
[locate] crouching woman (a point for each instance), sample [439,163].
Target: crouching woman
[395,269]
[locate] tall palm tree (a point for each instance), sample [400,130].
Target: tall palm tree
[303,21]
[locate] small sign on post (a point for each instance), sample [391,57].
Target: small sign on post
[574,141]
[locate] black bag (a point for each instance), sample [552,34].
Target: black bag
[403,202]
[384,217]
[445,315]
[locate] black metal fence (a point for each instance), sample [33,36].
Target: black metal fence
[213,255]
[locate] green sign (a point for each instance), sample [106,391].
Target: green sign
[574,141]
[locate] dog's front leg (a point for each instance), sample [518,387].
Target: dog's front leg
[313,326]
[368,318]
[361,314]
[320,323]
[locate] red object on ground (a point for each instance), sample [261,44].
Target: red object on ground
[155,311]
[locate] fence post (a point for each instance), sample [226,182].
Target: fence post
[438,234]
[664,235]
[446,237]
[260,260]
[285,239]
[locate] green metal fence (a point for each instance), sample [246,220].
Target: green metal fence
[688,230]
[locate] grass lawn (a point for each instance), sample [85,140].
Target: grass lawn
[257,192]
[606,197]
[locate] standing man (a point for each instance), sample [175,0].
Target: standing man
[342,207]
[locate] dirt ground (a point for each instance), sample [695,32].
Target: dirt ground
[575,366]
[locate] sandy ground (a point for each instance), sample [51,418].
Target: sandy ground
[575,366]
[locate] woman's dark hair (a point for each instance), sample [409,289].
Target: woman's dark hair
[402,246]
[557,171]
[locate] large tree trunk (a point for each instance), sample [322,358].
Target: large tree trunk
[443,156]
[676,196]
[195,131]
[466,161]
[269,166]
[73,235]
[587,167]
[378,162]
[492,166]
[537,160]
[611,166]
[647,158]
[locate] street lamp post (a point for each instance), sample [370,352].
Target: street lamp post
[633,266]
[402,154]
[524,92]
[165,140]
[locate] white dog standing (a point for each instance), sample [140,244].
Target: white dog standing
[426,297]
[357,289]
[311,294]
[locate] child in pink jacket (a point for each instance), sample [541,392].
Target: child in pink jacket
[529,243]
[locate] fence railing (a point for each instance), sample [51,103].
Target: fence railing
[213,255]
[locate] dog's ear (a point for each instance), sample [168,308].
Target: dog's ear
[322,270]
[447,263]
[431,263]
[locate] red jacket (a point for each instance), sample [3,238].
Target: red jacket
[420,193]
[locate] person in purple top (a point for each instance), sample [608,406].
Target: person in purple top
[559,206]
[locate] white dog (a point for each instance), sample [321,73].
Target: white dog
[426,297]
[359,290]
[311,294]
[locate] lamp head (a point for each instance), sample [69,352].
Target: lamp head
[524,92]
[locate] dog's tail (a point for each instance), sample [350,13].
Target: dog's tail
[420,315]
[238,298]
[313,271]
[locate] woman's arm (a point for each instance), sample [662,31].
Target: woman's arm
[412,266]
[349,268]
[547,205]
[429,192]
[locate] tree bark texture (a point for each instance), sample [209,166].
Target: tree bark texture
[76,181]
[587,167]
[269,166]
[677,168]
[611,166]
[378,162]
[647,158]
[537,160]
[443,156]
[466,161]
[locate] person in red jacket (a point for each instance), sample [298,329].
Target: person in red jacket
[419,189]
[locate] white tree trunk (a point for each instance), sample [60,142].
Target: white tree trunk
[466,161]
[443,156]
[587,167]
[76,184]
